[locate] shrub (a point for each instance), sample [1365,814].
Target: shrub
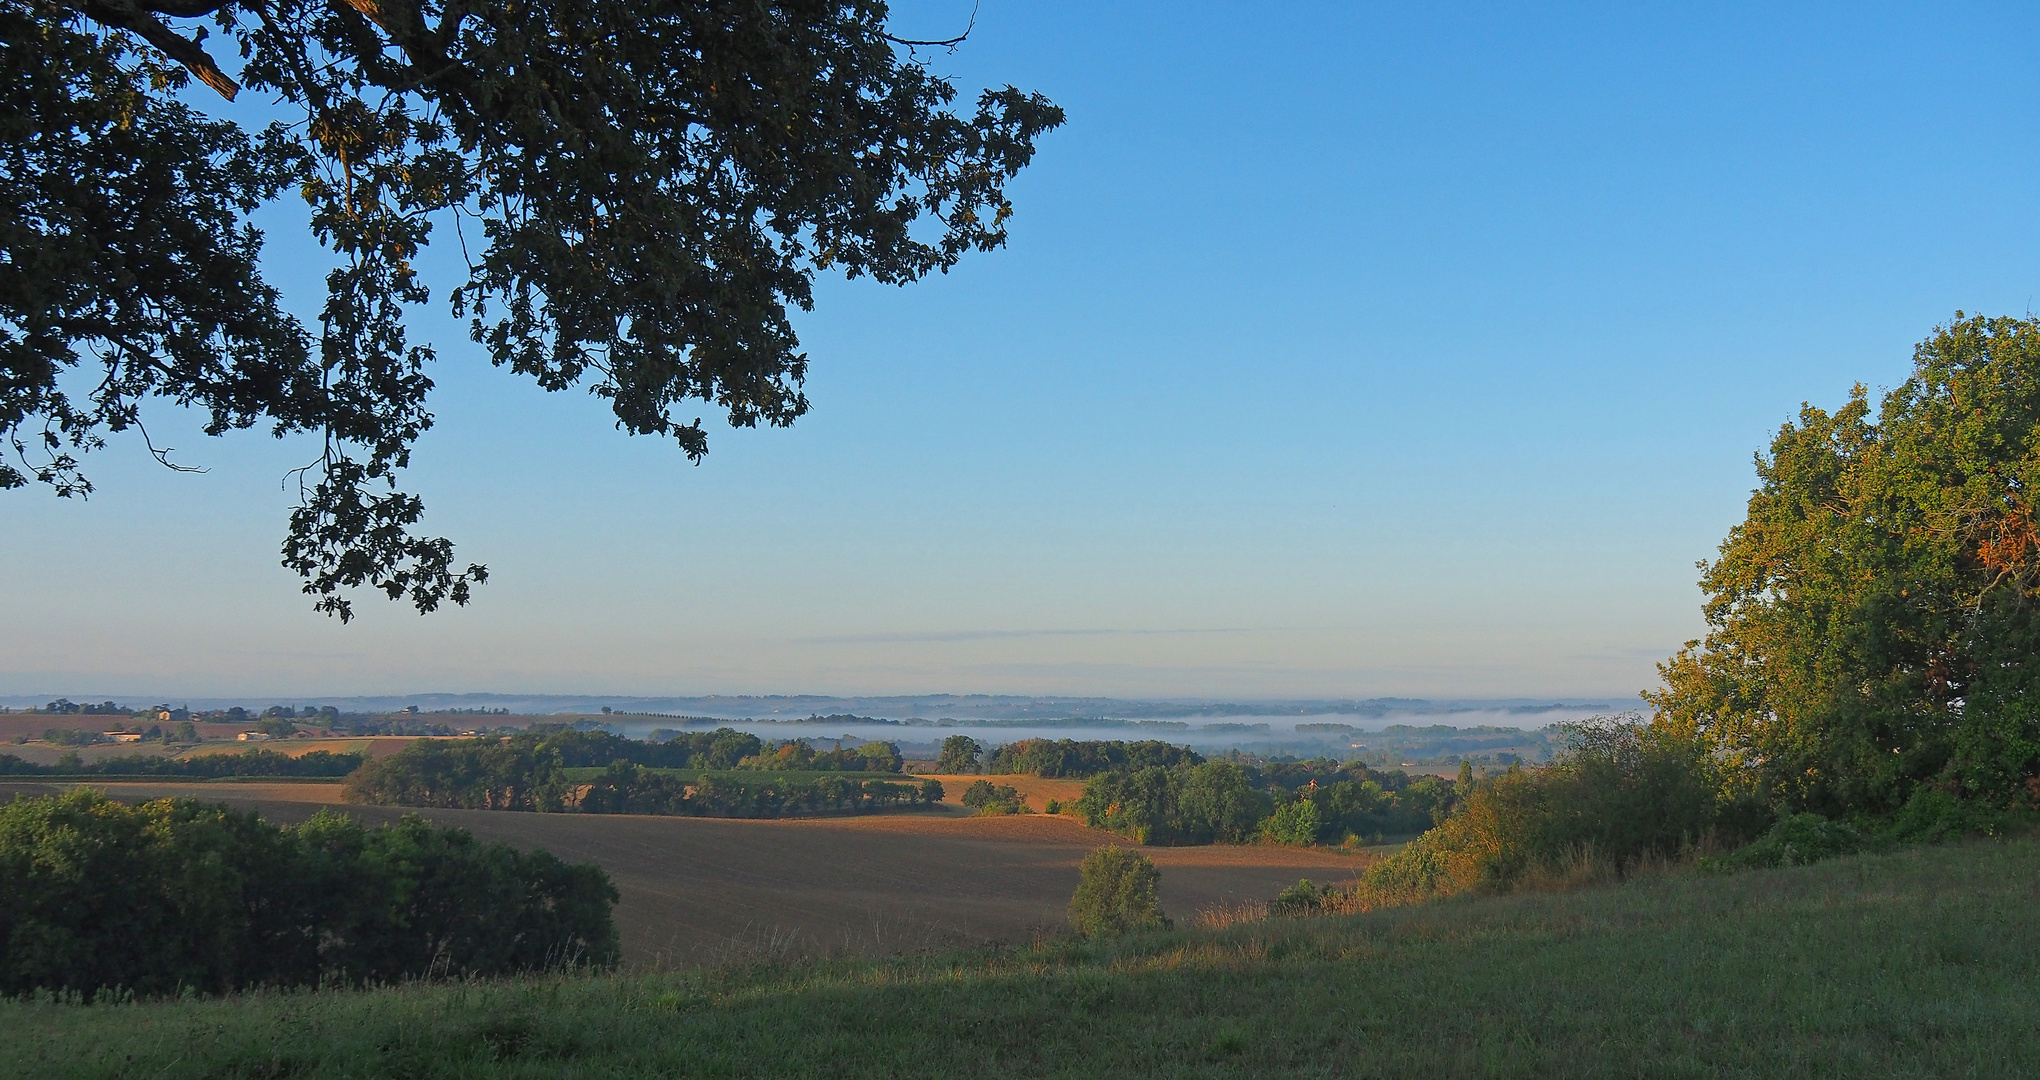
[1305,898]
[1933,814]
[1293,823]
[1117,892]
[1620,793]
[985,798]
[1795,840]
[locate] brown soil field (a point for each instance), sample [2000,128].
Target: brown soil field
[711,890]
[1033,790]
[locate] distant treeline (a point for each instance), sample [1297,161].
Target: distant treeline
[318,763]
[1075,759]
[528,771]
[624,788]
[1289,802]
[1158,793]
[174,896]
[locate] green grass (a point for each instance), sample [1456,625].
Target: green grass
[1920,962]
[583,774]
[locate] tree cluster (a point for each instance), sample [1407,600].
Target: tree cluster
[529,771]
[800,755]
[317,763]
[66,707]
[1230,802]
[1076,759]
[986,797]
[174,896]
[959,754]
[624,788]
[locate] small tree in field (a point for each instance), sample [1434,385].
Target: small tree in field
[1117,893]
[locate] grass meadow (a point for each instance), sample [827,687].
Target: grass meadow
[1922,962]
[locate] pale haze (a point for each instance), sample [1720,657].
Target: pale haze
[1336,351]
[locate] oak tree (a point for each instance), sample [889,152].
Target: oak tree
[1874,622]
[641,192]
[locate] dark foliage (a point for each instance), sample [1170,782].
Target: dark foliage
[1289,802]
[1873,631]
[66,707]
[1075,759]
[624,788]
[960,754]
[987,798]
[643,190]
[1621,793]
[317,763]
[1118,892]
[176,895]
[527,771]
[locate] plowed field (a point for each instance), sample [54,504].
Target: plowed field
[706,889]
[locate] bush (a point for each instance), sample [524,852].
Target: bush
[1933,815]
[1795,840]
[1117,892]
[1305,898]
[985,798]
[176,895]
[1293,823]
[1619,794]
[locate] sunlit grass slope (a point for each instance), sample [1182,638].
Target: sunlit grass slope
[1922,962]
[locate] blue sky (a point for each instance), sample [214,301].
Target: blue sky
[1338,350]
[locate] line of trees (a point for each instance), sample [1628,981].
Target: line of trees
[624,788]
[67,707]
[529,771]
[1288,802]
[317,763]
[1075,759]
[176,895]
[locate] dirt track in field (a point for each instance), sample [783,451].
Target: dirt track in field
[698,890]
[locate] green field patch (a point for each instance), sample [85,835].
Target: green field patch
[1918,962]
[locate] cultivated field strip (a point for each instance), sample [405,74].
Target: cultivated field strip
[713,889]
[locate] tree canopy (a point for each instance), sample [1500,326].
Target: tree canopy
[1874,625]
[640,192]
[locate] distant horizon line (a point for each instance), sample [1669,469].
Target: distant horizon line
[1004,705]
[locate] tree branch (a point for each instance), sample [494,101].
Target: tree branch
[946,42]
[131,16]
